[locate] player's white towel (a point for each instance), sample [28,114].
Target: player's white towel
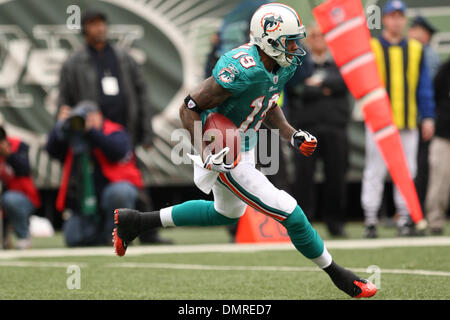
[204,179]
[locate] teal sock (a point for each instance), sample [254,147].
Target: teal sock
[304,237]
[199,213]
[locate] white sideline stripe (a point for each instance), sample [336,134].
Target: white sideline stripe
[262,268]
[229,247]
[175,266]
[178,266]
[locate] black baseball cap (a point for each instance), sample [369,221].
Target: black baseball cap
[92,14]
[420,21]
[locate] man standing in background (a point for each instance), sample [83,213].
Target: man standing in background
[405,75]
[423,31]
[322,107]
[438,195]
[109,76]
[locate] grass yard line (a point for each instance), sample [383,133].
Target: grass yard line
[177,266]
[229,247]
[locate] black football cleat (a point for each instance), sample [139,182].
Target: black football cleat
[406,230]
[127,228]
[349,282]
[371,232]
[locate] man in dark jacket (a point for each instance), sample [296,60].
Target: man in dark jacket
[422,30]
[438,194]
[20,197]
[321,106]
[106,74]
[99,173]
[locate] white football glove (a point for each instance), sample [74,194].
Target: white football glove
[215,162]
[304,141]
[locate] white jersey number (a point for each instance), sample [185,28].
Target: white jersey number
[245,60]
[257,105]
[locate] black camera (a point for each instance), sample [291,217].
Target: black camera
[76,121]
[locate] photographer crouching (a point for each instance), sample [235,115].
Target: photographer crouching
[99,173]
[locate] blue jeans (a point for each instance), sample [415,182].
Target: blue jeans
[116,195]
[18,209]
[81,230]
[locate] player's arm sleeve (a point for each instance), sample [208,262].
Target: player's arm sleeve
[230,76]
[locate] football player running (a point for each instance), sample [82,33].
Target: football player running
[245,85]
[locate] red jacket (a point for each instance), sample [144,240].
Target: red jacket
[23,184]
[125,170]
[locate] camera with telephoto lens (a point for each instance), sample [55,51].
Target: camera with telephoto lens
[76,121]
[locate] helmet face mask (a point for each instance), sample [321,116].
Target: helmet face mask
[272,27]
[281,44]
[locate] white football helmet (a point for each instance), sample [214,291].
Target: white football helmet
[272,25]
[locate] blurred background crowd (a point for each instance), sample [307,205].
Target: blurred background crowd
[87,114]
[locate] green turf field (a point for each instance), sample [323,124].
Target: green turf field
[405,272]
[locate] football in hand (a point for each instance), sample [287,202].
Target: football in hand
[220,132]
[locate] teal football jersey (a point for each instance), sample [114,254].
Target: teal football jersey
[254,90]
